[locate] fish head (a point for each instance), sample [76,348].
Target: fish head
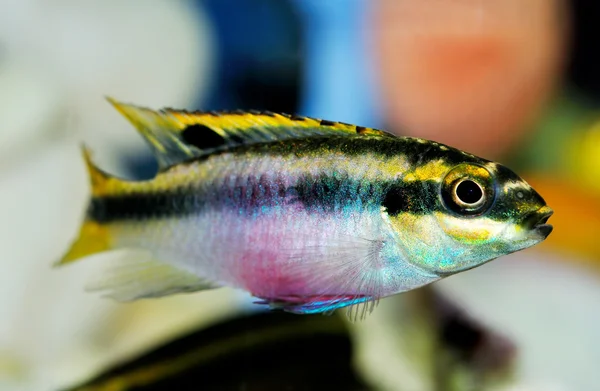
[477,211]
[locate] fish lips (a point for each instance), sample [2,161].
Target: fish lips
[537,222]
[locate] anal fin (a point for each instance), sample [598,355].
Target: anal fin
[140,276]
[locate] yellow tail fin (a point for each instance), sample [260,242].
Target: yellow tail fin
[93,236]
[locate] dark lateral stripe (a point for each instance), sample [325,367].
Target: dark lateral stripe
[248,195]
[319,194]
[329,193]
[413,197]
[142,206]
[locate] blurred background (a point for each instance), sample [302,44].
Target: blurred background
[510,80]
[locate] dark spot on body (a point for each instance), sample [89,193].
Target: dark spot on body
[202,137]
[360,129]
[328,193]
[394,201]
[417,197]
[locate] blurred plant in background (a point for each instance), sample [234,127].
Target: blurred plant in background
[509,80]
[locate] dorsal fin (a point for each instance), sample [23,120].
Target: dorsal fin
[179,135]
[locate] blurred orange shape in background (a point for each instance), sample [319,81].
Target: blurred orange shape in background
[469,73]
[576,219]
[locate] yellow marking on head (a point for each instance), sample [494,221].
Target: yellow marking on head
[471,230]
[516,186]
[492,167]
[416,230]
[433,170]
[469,236]
[405,221]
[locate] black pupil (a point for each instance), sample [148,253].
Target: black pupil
[469,192]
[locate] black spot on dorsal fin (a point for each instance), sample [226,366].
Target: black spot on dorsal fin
[202,137]
[361,129]
[325,122]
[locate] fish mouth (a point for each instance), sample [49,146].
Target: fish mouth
[537,221]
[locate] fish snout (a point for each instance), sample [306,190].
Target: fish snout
[537,221]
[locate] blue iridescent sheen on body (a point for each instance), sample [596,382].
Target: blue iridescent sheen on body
[317,306]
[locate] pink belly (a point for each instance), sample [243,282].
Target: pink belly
[267,274]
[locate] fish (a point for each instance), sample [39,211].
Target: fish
[306,215]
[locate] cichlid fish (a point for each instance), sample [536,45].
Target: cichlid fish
[306,215]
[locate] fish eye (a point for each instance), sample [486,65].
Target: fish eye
[468,190]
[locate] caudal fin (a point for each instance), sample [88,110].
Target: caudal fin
[93,237]
[137,276]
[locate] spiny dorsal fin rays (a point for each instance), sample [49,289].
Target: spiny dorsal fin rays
[178,135]
[258,126]
[160,130]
